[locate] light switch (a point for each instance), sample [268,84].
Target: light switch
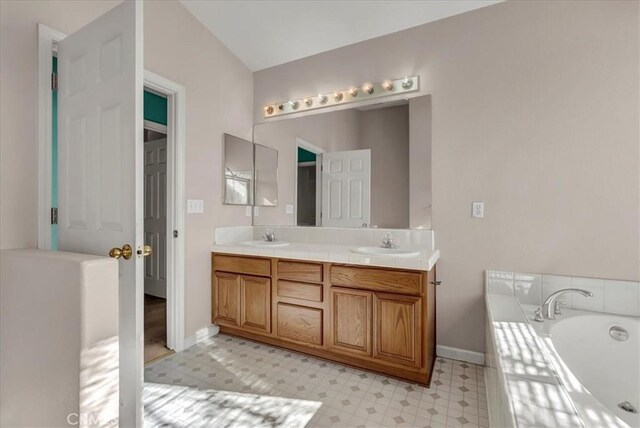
[477,209]
[256,211]
[195,206]
[289,209]
[248,211]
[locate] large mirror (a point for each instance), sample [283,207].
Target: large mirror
[360,167]
[266,176]
[238,171]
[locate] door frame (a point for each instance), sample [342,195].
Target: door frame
[176,115]
[318,151]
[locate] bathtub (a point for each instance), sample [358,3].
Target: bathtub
[597,362]
[567,372]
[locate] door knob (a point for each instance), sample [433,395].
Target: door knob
[125,252]
[145,251]
[436,282]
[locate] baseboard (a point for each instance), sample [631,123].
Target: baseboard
[460,354]
[202,334]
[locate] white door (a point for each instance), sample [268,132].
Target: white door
[100,124]
[155,216]
[346,188]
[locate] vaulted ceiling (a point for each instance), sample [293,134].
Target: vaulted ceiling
[267,33]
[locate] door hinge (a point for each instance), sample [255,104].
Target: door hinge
[54,81]
[175,233]
[54,216]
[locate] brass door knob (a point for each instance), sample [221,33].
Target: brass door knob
[145,251]
[125,252]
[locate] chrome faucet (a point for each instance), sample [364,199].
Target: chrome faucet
[551,307]
[387,242]
[269,236]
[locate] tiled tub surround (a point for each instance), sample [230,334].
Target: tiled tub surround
[609,296]
[331,244]
[528,382]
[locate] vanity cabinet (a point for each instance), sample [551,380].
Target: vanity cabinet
[351,320]
[241,300]
[380,319]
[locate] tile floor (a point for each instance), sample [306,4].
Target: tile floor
[227,381]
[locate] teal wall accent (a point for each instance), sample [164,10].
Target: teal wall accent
[155,108]
[54,157]
[305,155]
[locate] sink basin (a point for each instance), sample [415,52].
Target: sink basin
[270,244]
[380,251]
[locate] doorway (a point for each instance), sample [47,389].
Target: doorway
[155,226]
[308,184]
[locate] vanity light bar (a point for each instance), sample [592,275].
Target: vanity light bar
[345,96]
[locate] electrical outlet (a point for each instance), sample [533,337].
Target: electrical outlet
[289,209]
[477,209]
[256,211]
[248,211]
[195,206]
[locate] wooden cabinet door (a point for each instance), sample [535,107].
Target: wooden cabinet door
[226,299]
[398,329]
[351,320]
[255,298]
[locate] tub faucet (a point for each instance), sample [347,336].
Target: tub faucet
[269,236]
[550,306]
[388,241]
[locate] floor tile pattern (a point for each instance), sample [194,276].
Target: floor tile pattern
[228,381]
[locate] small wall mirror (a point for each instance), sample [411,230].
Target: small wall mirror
[266,176]
[238,171]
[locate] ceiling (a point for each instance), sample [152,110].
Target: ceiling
[267,33]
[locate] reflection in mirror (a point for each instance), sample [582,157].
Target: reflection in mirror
[361,167]
[266,176]
[238,171]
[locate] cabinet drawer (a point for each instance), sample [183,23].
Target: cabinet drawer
[300,290]
[299,323]
[248,265]
[295,271]
[377,279]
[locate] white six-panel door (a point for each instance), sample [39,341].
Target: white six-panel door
[155,216]
[100,97]
[346,188]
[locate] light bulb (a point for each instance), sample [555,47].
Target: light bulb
[353,92]
[294,104]
[323,98]
[308,102]
[388,85]
[368,88]
[269,109]
[407,83]
[338,96]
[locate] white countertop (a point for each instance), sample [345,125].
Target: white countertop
[333,253]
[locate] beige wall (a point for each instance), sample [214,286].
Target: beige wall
[59,330]
[386,132]
[219,99]
[534,111]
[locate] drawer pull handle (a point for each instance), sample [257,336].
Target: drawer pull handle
[436,282]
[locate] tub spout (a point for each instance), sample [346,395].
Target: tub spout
[548,305]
